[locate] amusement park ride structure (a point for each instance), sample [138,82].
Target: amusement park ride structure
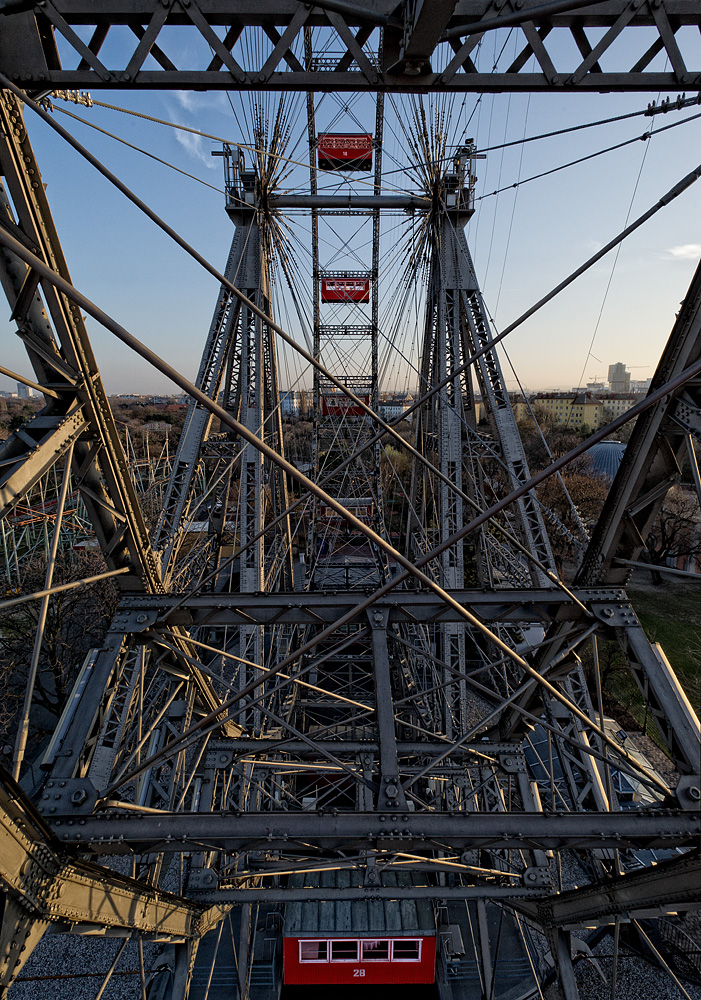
[261,731]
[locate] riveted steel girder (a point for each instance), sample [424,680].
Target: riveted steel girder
[122,832]
[319,608]
[46,884]
[670,886]
[46,48]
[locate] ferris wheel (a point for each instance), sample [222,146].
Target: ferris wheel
[346,723]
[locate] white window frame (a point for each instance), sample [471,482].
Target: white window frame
[401,940]
[373,960]
[340,961]
[313,961]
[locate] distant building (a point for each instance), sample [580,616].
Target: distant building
[294,402]
[23,391]
[289,404]
[520,406]
[640,386]
[573,410]
[619,378]
[393,407]
[616,403]
[595,387]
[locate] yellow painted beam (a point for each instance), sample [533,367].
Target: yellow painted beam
[45,884]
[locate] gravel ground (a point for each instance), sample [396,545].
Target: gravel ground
[659,760]
[637,979]
[72,957]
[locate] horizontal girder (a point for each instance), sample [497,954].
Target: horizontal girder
[355,747]
[351,201]
[669,886]
[274,894]
[125,832]
[424,47]
[137,614]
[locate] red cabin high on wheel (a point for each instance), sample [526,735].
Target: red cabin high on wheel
[368,941]
[344,151]
[337,405]
[345,289]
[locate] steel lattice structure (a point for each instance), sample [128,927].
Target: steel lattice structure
[243,727]
[426,46]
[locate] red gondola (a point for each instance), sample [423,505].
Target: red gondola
[345,289]
[346,960]
[344,151]
[338,405]
[366,941]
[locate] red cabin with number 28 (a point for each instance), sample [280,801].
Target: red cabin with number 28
[368,941]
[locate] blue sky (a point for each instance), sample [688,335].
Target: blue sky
[524,241]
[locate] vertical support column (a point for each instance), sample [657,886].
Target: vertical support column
[251,376]
[244,946]
[485,951]
[185,955]
[391,794]
[378,519]
[215,356]
[445,422]
[499,410]
[23,729]
[20,932]
[312,536]
[562,953]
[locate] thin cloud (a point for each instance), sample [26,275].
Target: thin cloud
[186,100]
[196,146]
[195,103]
[686,251]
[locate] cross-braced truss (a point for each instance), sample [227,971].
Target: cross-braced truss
[367,45]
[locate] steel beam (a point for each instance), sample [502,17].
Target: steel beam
[565,57]
[669,706]
[127,831]
[480,748]
[198,421]
[651,464]
[24,462]
[316,608]
[99,463]
[652,459]
[651,892]
[45,884]
[351,201]
[391,793]
[273,894]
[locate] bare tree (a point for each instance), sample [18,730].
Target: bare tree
[578,497]
[77,621]
[677,530]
